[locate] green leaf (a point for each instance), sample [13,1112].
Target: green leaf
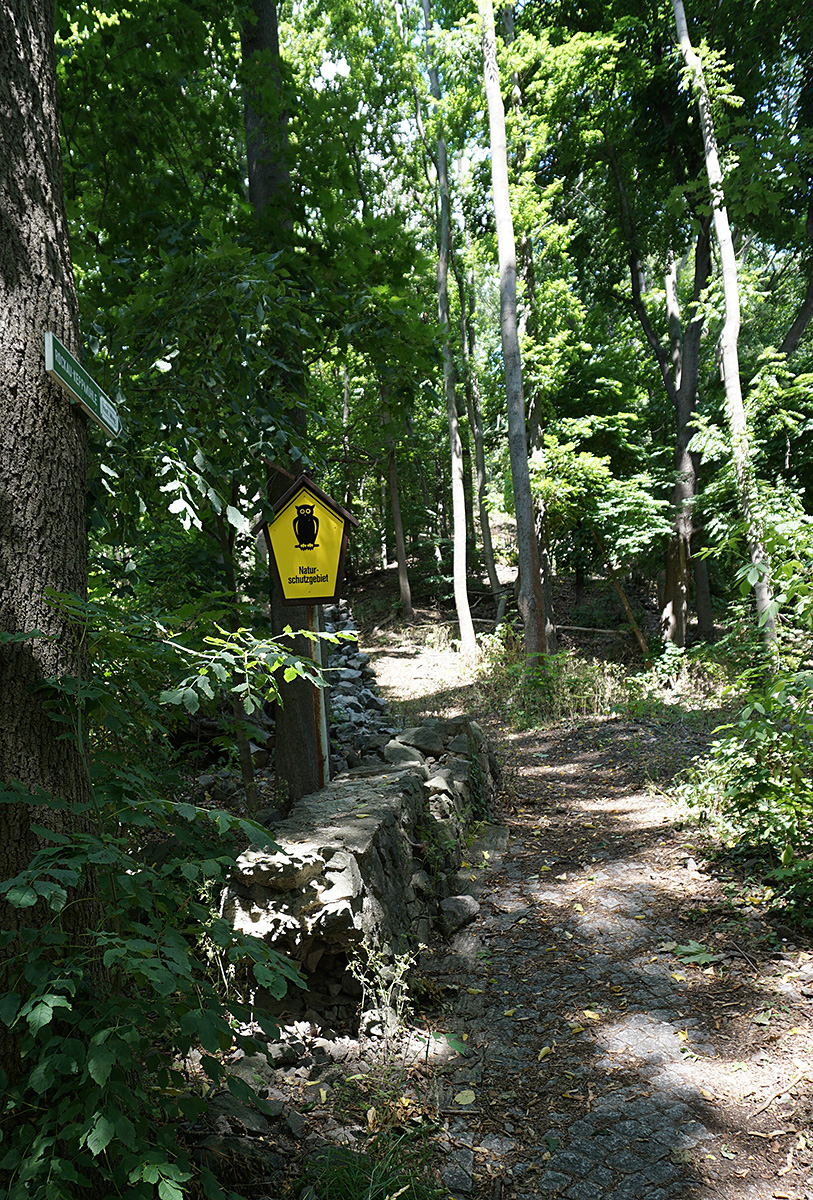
[100,1061]
[9,1007]
[21,897]
[40,1012]
[100,1135]
[237,519]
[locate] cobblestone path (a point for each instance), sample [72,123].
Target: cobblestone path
[603,1065]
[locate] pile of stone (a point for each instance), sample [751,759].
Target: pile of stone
[357,714]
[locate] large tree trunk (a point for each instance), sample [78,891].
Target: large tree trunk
[269,180]
[298,762]
[740,439]
[538,631]
[43,444]
[468,644]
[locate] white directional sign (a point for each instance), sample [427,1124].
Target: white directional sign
[70,375]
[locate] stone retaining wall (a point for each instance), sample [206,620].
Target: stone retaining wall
[375,854]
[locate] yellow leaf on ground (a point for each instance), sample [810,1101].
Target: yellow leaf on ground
[591,1016]
[579,908]
[678,976]
[543,1053]
[509,1012]
[467,1096]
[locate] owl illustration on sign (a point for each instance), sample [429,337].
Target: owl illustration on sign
[306,527]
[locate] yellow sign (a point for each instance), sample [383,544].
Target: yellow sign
[307,541]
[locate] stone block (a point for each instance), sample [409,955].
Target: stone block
[398,752]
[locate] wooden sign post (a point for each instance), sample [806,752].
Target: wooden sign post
[307,540]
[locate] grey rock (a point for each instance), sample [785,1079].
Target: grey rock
[423,738]
[457,911]
[398,752]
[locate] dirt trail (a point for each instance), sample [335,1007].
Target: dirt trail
[608,1062]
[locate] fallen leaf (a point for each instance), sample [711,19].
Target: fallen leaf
[579,908]
[467,1096]
[678,976]
[562,876]
[322,1095]
[706,1095]
[762,1018]
[726,1153]
[577,1029]
[591,1016]
[509,1012]
[543,1053]
[568,935]
[475,991]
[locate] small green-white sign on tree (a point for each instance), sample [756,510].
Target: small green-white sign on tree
[74,379]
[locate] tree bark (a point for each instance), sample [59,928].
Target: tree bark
[269,180]
[43,443]
[468,644]
[537,628]
[738,427]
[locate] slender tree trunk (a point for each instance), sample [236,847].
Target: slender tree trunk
[537,629]
[685,356]
[468,645]
[622,595]
[398,525]
[738,427]
[43,443]
[476,424]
